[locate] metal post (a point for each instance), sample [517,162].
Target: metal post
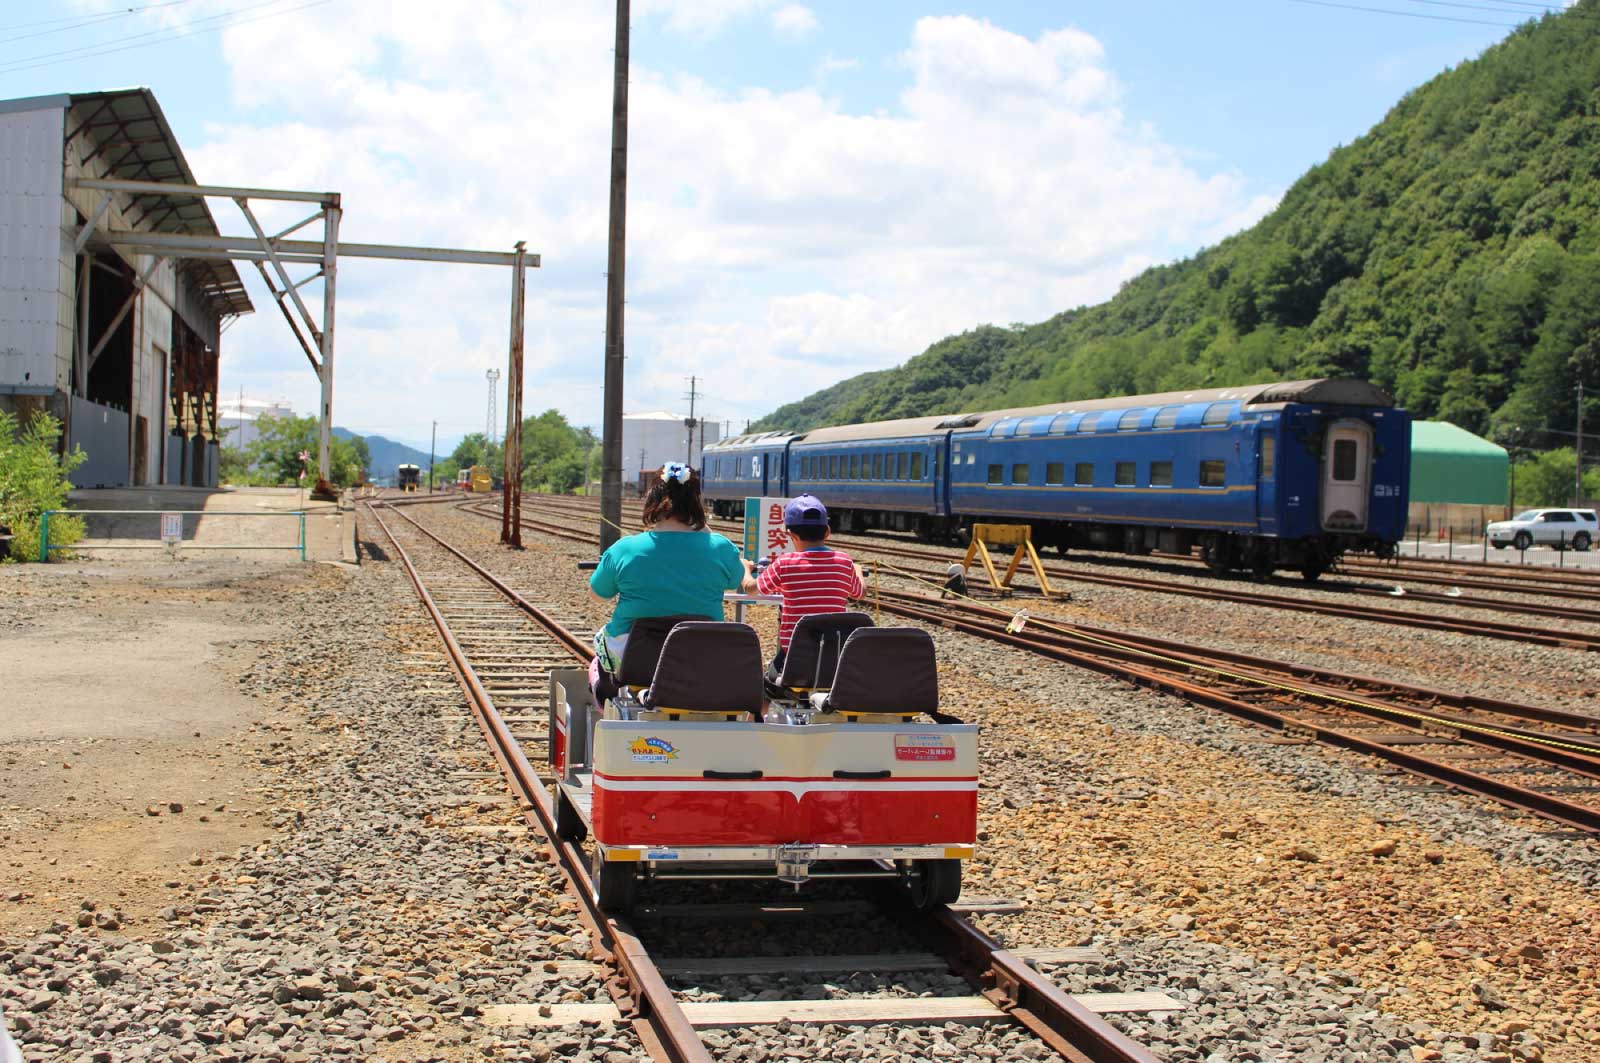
[44,536]
[1561,551]
[1577,491]
[330,267]
[433,442]
[611,428]
[1450,543]
[302,535]
[513,447]
[1418,551]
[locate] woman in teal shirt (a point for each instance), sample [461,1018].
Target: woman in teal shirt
[674,566]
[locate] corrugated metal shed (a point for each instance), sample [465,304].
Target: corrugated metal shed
[1450,464]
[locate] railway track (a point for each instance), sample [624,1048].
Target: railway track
[1476,745]
[501,647]
[1456,573]
[1538,760]
[1559,637]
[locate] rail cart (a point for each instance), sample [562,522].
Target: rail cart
[693,765]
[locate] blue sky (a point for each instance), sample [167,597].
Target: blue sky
[815,189]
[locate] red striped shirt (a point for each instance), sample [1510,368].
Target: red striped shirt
[811,581]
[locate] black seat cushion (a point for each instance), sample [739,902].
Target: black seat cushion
[643,648]
[814,648]
[707,666]
[886,669]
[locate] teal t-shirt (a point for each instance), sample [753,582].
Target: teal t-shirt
[665,573]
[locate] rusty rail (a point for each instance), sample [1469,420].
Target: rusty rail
[666,1026]
[1023,993]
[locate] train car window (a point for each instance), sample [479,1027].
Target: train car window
[855,467]
[997,474]
[1087,424]
[1083,474]
[902,465]
[1055,473]
[1035,426]
[1166,417]
[1161,474]
[1216,413]
[877,466]
[1127,473]
[1129,421]
[916,466]
[1269,457]
[1344,460]
[972,459]
[1213,474]
[1019,474]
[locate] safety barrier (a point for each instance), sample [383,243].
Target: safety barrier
[171,530]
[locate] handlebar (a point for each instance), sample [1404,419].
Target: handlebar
[588,566]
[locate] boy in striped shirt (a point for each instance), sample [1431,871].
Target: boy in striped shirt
[813,577]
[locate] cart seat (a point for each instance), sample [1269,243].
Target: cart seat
[814,651]
[707,670]
[885,674]
[639,656]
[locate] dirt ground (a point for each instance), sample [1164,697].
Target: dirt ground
[128,759]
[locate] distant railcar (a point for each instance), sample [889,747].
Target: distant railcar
[408,477]
[482,482]
[1264,477]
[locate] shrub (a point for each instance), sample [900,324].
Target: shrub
[33,478]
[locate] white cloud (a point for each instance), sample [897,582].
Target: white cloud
[778,241]
[795,21]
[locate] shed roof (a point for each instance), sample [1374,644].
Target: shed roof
[133,136]
[1442,437]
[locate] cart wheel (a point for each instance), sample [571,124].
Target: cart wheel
[569,825]
[1311,571]
[617,887]
[933,883]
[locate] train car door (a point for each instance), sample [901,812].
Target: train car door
[1346,476]
[1265,436]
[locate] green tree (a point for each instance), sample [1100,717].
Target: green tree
[476,449]
[1547,479]
[33,478]
[275,452]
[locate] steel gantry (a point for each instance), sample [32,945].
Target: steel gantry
[274,254]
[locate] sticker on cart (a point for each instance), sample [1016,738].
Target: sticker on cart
[924,747]
[660,854]
[652,750]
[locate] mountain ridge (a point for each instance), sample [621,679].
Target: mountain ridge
[1451,255]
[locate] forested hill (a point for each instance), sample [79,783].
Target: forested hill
[1451,255]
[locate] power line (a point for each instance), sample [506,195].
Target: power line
[85,21]
[1407,14]
[189,29]
[100,17]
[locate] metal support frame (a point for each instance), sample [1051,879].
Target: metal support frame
[279,252]
[1017,535]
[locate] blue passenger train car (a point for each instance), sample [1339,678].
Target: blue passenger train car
[1268,476]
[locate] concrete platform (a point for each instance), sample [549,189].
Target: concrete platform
[239,523]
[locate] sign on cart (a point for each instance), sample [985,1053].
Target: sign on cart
[764,533]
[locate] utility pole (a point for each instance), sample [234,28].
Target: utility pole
[433,443]
[611,428]
[689,424]
[1577,491]
[511,455]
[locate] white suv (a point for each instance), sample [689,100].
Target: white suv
[1576,528]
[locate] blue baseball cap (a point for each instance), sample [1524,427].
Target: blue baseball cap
[805,511]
